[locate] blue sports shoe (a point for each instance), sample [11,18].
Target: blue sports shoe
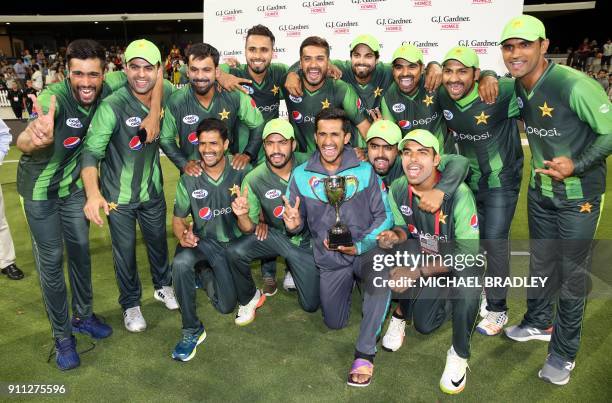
[185,350]
[66,356]
[92,327]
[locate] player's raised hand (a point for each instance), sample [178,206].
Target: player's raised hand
[375,114]
[429,200]
[291,215]
[188,238]
[41,129]
[240,205]
[433,77]
[230,82]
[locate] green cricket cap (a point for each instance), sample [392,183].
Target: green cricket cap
[143,49]
[368,40]
[423,137]
[386,130]
[408,52]
[463,55]
[280,126]
[524,27]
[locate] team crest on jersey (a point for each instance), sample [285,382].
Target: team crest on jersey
[295,100]
[297,116]
[134,121]
[191,119]
[135,144]
[404,124]
[474,221]
[399,107]
[519,102]
[278,211]
[412,229]
[406,210]
[72,142]
[249,89]
[448,115]
[205,213]
[199,194]
[313,181]
[273,194]
[75,123]
[193,138]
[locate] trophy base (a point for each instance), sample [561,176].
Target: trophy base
[339,236]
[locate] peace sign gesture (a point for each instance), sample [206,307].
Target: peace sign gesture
[291,215]
[41,129]
[240,205]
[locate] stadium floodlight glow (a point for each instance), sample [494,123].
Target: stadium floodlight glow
[95,22]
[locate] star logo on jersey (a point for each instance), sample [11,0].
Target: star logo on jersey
[428,100]
[275,89]
[224,114]
[162,113]
[325,104]
[546,110]
[378,92]
[443,216]
[586,207]
[234,190]
[112,206]
[482,118]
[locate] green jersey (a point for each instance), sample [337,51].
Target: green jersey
[184,112]
[129,170]
[54,172]
[457,218]
[487,135]
[265,189]
[418,111]
[371,93]
[209,202]
[567,114]
[302,110]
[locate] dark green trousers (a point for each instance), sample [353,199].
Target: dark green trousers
[53,225]
[561,234]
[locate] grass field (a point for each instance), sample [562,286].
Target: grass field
[285,355]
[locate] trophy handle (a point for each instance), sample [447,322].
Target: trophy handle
[314,191]
[353,179]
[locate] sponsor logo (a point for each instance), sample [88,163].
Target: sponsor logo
[367,4]
[536,131]
[480,47]
[273,194]
[134,121]
[207,214]
[404,124]
[425,46]
[359,103]
[249,89]
[471,137]
[271,10]
[412,229]
[448,115]
[199,194]
[72,142]
[297,116]
[193,138]
[228,14]
[426,121]
[448,22]
[604,108]
[278,211]
[383,187]
[341,27]
[406,210]
[268,108]
[421,3]
[317,7]
[231,53]
[397,108]
[519,102]
[474,221]
[75,123]
[135,144]
[293,30]
[393,24]
[190,119]
[482,1]
[295,100]
[313,181]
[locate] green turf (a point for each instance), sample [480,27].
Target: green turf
[285,354]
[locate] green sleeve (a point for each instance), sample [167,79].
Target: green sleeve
[350,101]
[169,89]
[115,79]
[252,118]
[167,140]
[454,170]
[44,100]
[254,205]
[98,135]
[398,218]
[592,106]
[386,113]
[182,205]
[465,216]
[224,68]
[507,93]
[344,66]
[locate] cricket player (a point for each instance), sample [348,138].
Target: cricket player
[569,127]
[131,186]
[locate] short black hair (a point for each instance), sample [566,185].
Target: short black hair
[315,41]
[201,51]
[85,49]
[333,114]
[212,124]
[261,30]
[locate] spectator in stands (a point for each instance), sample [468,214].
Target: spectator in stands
[607,54]
[20,70]
[40,57]
[583,53]
[602,78]
[27,57]
[37,78]
[16,97]
[29,90]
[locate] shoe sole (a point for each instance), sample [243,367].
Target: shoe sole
[160,299]
[267,294]
[485,333]
[85,332]
[452,392]
[136,330]
[193,353]
[560,383]
[261,301]
[390,349]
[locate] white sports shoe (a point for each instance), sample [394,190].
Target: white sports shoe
[133,320]
[455,373]
[493,323]
[483,304]
[246,313]
[394,338]
[166,295]
[288,283]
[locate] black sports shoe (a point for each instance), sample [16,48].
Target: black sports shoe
[13,272]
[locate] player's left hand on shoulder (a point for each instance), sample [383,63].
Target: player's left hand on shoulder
[240,161]
[429,200]
[433,77]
